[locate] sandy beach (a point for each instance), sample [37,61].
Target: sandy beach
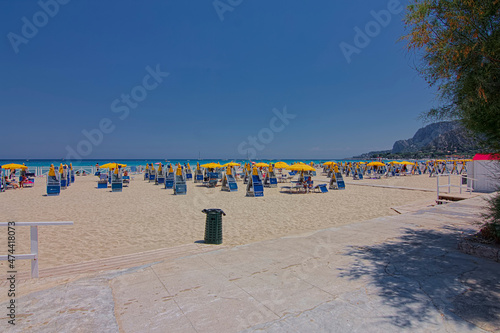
[147,217]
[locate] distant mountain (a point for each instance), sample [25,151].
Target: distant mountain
[438,139]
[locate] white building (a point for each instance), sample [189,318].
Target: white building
[485,171]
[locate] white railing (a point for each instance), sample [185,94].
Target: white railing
[449,185]
[34,242]
[43,171]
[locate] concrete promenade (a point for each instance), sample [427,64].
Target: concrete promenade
[392,274]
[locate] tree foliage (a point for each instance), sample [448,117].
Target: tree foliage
[458,43]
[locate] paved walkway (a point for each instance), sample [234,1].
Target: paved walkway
[390,274]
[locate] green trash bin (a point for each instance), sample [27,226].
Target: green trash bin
[213,225]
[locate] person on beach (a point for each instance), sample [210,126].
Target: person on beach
[23,181]
[12,183]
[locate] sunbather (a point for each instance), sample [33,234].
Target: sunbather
[23,181]
[9,182]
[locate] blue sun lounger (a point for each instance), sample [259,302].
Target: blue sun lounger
[53,186]
[255,188]
[180,187]
[229,184]
[169,181]
[213,179]
[340,181]
[321,187]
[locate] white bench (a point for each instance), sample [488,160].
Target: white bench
[34,242]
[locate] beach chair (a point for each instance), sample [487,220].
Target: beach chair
[340,181]
[198,176]
[103,181]
[160,178]
[255,188]
[3,185]
[53,185]
[126,180]
[212,179]
[271,180]
[63,178]
[321,188]
[30,182]
[180,187]
[189,174]
[333,182]
[229,183]
[117,181]
[359,172]
[169,181]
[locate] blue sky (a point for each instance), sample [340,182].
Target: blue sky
[224,79]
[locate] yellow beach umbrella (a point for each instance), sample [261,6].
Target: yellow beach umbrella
[231,164]
[160,167]
[52,171]
[112,165]
[330,163]
[300,167]
[261,165]
[14,166]
[188,167]
[228,170]
[255,172]
[197,165]
[212,165]
[170,168]
[179,170]
[280,165]
[376,164]
[271,168]
[61,169]
[406,163]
